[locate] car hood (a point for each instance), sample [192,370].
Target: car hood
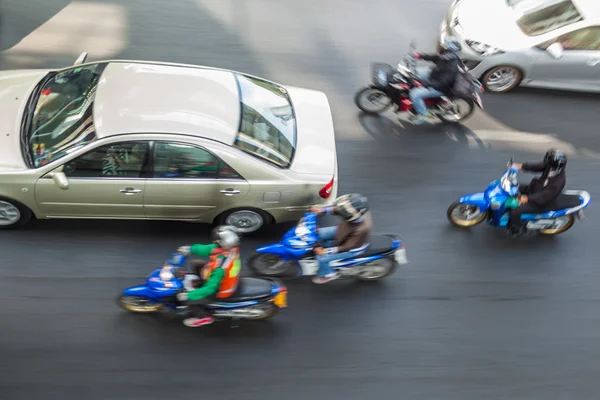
[491,22]
[15,87]
[315,137]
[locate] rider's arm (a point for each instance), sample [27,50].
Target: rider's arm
[202,250]
[549,193]
[533,167]
[430,57]
[210,287]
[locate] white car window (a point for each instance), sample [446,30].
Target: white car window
[582,39]
[541,17]
[118,160]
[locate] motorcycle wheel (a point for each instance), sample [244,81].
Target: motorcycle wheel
[138,305]
[459,220]
[455,118]
[568,225]
[364,100]
[268,265]
[386,266]
[270,310]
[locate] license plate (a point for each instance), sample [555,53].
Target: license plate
[580,214]
[281,300]
[400,256]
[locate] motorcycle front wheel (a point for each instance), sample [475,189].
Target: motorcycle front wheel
[465,215]
[268,265]
[372,100]
[137,305]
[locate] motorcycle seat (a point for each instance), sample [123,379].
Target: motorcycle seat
[378,244]
[563,202]
[250,289]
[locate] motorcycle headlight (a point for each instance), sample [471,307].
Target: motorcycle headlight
[506,185]
[166,274]
[483,49]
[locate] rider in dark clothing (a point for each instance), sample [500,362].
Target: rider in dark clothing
[542,191]
[440,80]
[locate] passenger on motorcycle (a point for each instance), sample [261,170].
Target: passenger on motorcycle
[219,276]
[437,82]
[350,237]
[542,191]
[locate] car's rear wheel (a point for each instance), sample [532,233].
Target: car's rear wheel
[245,220]
[13,214]
[502,79]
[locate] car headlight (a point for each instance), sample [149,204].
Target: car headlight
[483,49]
[166,274]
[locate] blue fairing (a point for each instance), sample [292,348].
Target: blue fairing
[476,199]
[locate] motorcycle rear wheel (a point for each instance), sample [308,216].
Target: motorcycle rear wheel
[464,222]
[388,267]
[564,228]
[365,96]
[137,305]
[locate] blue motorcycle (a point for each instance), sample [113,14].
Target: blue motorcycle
[254,298]
[500,196]
[294,254]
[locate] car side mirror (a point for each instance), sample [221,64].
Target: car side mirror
[60,179]
[81,59]
[555,50]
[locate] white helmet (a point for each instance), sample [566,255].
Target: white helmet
[226,237]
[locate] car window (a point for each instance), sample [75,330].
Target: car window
[61,117]
[540,17]
[178,160]
[268,125]
[582,39]
[120,160]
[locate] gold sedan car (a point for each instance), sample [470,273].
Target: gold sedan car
[146,140]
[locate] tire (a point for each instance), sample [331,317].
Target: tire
[361,97]
[258,269]
[136,309]
[502,88]
[245,220]
[459,119]
[554,232]
[271,311]
[13,215]
[389,266]
[462,223]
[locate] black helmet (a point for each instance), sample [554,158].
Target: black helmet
[555,159]
[225,236]
[451,44]
[351,206]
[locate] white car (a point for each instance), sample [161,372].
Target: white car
[551,44]
[148,140]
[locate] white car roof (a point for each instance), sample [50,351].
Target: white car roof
[157,98]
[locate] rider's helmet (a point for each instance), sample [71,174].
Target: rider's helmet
[225,236]
[450,43]
[351,206]
[555,159]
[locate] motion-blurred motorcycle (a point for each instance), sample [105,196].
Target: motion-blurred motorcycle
[391,86]
[500,196]
[254,299]
[294,254]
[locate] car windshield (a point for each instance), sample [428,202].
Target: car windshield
[60,115]
[268,124]
[538,17]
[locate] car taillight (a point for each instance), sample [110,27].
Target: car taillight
[325,192]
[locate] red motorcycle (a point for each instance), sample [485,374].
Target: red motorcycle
[391,86]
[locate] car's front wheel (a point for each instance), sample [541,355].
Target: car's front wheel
[502,79]
[13,214]
[244,220]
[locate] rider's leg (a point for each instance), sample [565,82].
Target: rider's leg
[326,273]
[418,96]
[327,235]
[516,224]
[200,315]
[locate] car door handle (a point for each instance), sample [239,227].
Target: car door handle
[129,191]
[230,192]
[593,63]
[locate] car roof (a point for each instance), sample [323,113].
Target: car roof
[140,97]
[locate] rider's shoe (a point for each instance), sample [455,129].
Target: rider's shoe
[197,322]
[319,280]
[516,231]
[417,119]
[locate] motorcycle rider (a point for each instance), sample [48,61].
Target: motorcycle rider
[350,237]
[439,80]
[219,276]
[542,191]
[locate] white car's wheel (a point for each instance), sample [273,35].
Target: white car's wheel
[13,214]
[502,79]
[244,220]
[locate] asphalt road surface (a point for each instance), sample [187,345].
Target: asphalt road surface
[475,315]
